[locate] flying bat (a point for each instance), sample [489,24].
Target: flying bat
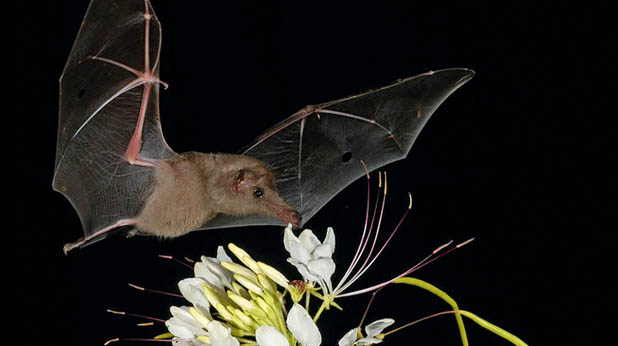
[118,172]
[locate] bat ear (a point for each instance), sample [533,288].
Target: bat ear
[243,179]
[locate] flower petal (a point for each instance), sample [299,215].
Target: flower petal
[212,272]
[220,335]
[182,313]
[183,342]
[295,248]
[222,255]
[288,237]
[303,270]
[183,329]
[324,268]
[309,240]
[191,289]
[376,327]
[270,336]
[367,341]
[302,326]
[349,338]
[327,248]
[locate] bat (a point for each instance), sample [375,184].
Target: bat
[115,167]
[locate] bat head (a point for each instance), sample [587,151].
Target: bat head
[253,191]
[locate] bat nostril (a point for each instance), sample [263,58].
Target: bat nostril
[347,156]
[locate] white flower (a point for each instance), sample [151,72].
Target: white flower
[221,335]
[247,301]
[181,342]
[372,330]
[183,325]
[191,290]
[210,270]
[270,336]
[302,326]
[312,258]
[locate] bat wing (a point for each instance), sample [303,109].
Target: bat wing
[316,152]
[109,103]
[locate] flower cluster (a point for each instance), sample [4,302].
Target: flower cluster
[248,301]
[245,303]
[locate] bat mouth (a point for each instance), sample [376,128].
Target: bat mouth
[290,216]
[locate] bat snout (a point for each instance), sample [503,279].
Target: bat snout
[291,216]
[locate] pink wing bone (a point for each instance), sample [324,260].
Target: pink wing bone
[147,79]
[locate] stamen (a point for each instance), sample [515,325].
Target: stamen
[444,253]
[366,169]
[363,241]
[189,260]
[373,296]
[441,247]
[138,339]
[419,320]
[465,243]
[145,324]
[155,291]
[427,260]
[385,183]
[135,315]
[358,249]
[110,341]
[364,266]
[176,260]
[374,259]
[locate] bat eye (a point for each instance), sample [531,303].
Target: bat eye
[346,156]
[258,193]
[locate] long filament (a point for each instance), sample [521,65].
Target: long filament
[358,249]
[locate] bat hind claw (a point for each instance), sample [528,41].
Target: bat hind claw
[70,246]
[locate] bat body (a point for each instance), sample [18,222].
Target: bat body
[113,164]
[191,189]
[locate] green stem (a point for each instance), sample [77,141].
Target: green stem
[433,289]
[493,328]
[317,314]
[307,298]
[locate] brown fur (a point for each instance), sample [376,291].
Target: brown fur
[192,188]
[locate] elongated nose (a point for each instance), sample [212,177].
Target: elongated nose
[293,217]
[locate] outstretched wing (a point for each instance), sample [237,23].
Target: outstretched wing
[316,152]
[109,94]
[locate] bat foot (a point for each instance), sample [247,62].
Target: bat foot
[70,246]
[98,235]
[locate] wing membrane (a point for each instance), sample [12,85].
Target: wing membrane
[316,152]
[111,75]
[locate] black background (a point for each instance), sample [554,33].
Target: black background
[519,158]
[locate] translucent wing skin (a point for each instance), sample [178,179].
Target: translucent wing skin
[109,91]
[316,152]
[109,131]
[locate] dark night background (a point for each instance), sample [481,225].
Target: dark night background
[519,158]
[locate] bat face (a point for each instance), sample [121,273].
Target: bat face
[255,193]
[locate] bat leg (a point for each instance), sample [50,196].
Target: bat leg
[98,235]
[135,144]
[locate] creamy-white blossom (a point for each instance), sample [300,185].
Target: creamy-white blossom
[247,301]
[373,330]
